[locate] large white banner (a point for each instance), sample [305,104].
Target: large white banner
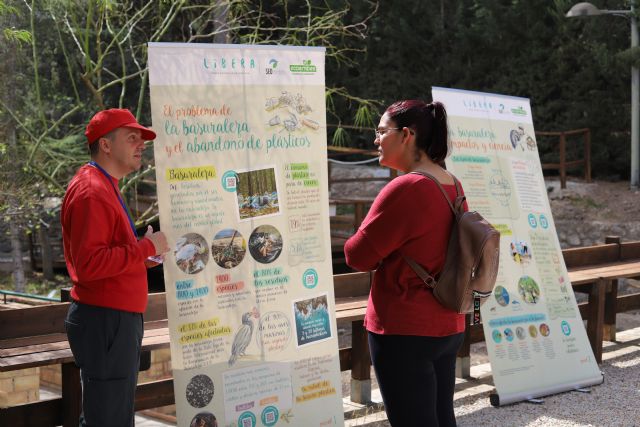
[243,197]
[535,337]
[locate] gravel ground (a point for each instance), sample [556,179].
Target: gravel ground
[616,402]
[613,403]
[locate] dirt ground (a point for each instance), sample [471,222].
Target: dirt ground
[595,201]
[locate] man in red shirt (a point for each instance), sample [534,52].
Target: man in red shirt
[107,265]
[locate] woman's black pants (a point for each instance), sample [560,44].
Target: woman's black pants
[416,376]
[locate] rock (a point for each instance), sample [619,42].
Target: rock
[574,240]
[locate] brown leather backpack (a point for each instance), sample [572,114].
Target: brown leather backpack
[471,264]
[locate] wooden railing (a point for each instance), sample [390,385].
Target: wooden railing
[343,225]
[564,164]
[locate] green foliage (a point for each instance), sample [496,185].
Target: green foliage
[575,71]
[5,9]
[37,284]
[340,137]
[364,116]
[17,36]
[77,57]
[630,57]
[585,202]
[340,103]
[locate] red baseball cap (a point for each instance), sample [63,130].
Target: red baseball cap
[107,120]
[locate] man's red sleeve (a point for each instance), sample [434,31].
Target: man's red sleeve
[92,229]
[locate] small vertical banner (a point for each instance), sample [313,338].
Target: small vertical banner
[535,337]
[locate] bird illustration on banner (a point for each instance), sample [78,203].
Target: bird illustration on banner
[243,336]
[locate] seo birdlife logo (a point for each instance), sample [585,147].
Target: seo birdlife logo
[272,67]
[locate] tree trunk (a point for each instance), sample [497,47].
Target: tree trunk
[14,226]
[16,255]
[45,251]
[220,22]
[7,70]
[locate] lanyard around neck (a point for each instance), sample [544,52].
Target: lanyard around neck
[124,207]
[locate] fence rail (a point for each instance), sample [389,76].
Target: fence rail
[565,164]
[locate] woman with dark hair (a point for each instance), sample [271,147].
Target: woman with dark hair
[413,339]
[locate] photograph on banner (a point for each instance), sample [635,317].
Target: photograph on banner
[241,172]
[257,193]
[536,340]
[313,321]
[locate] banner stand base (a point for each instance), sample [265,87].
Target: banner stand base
[361,391]
[494,399]
[535,396]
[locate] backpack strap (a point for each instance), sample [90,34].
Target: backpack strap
[459,198]
[423,274]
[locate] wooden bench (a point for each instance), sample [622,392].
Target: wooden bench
[593,270]
[351,293]
[25,343]
[35,336]
[346,225]
[596,270]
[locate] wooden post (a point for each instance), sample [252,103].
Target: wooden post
[587,155]
[45,252]
[360,364]
[563,160]
[71,394]
[329,168]
[596,317]
[71,387]
[611,298]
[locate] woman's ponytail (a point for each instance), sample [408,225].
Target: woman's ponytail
[439,147]
[429,121]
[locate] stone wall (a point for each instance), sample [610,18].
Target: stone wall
[17,387]
[571,232]
[580,233]
[51,376]
[357,189]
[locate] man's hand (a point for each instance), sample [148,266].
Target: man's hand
[158,239]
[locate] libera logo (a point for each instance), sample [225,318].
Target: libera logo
[476,104]
[228,64]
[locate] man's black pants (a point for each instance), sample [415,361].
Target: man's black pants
[106,346]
